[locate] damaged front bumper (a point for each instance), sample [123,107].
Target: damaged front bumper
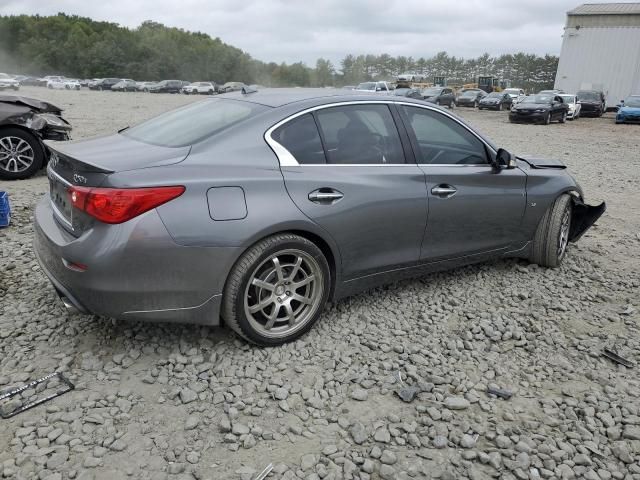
[583,217]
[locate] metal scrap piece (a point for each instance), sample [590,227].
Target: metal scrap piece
[67,387]
[263,474]
[499,392]
[611,355]
[407,394]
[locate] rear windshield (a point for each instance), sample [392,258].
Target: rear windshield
[589,96]
[193,123]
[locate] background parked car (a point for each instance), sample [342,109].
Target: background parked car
[383,88]
[232,87]
[573,104]
[470,97]
[540,108]
[629,110]
[56,82]
[593,102]
[514,92]
[408,92]
[24,123]
[196,88]
[166,86]
[496,101]
[104,84]
[91,84]
[29,81]
[7,81]
[72,84]
[440,96]
[125,85]
[144,86]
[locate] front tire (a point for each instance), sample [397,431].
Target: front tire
[552,235]
[563,119]
[21,154]
[547,119]
[277,290]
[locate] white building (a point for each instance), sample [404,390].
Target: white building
[601,50]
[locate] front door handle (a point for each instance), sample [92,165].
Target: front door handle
[325,196]
[444,191]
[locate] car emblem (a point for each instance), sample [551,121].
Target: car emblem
[79,178]
[53,160]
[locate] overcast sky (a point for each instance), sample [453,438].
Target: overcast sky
[297,30]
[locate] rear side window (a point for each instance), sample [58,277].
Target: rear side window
[360,134]
[193,123]
[300,136]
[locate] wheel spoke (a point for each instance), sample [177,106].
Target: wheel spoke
[261,305]
[301,299]
[262,284]
[296,269]
[303,282]
[272,318]
[276,263]
[290,315]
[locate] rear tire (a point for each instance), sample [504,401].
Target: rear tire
[552,235]
[261,296]
[33,154]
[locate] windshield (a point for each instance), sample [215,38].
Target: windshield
[589,96]
[568,98]
[512,91]
[494,95]
[400,91]
[540,98]
[633,101]
[469,93]
[431,91]
[367,86]
[193,123]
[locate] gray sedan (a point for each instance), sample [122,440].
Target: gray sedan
[259,208]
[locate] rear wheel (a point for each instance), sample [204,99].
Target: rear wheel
[210,92]
[552,235]
[21,154]
[438,102]
[276,291]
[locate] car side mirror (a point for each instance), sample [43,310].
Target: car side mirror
[503,160]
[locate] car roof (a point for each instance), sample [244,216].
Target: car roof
[277,97]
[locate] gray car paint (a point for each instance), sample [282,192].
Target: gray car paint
[171,263]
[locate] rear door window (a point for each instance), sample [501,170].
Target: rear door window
[360,134]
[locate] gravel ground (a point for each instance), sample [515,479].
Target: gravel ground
[166,401]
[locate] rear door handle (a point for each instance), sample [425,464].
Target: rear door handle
[325,196]
[444,191]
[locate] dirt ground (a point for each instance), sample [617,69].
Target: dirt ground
[166,401]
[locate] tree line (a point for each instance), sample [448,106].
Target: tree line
[84,48]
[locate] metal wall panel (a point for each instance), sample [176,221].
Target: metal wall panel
[608,58]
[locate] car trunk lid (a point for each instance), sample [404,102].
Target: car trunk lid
[89,163]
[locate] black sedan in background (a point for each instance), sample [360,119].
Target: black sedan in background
[167,86]
[496,101]
[439,96]
[408,92]
[104,84]
[592,103]
[540,108]
[470,98]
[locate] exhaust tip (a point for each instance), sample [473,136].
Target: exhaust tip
[70,307]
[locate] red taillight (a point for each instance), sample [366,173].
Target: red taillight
[117,205]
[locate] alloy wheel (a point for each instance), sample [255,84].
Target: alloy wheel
[563,235]
[16,155]
[284,293]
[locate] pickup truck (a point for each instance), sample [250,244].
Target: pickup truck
[383,88]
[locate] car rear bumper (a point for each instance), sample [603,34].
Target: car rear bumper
[134,270]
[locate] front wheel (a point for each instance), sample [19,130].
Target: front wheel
[438,102]
[499,107]
[552,235]
[547,119]
[476,104]
[563,119]
[276,291]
